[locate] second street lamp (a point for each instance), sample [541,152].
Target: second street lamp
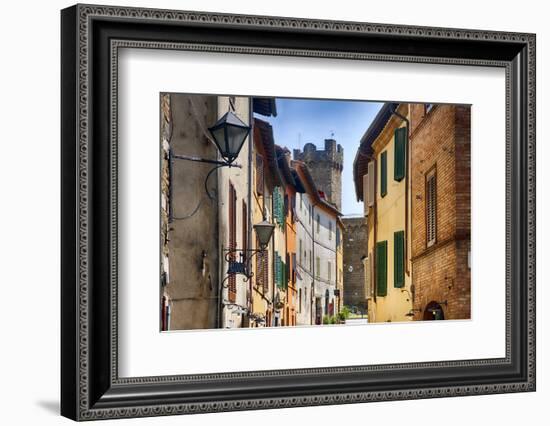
[264,231]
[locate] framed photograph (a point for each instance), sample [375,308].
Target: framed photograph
[263,212]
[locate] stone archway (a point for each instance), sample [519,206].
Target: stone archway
[433,311]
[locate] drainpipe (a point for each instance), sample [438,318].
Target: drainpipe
[273,263]
[249,203]
[314,264]
[375,227]
[407,159]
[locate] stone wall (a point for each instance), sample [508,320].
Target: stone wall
[355,248]
[191,239]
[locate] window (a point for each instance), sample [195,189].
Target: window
[310,261]
[299,300]
[259,175]
[300,251]
[301,202]
[329,274]
[318,267]
[399,259]
[382,268]
[280,272]
[318,223]
[279,205]
[244,216]
[383,174]
[368,276]
[400,153]
[288,270]
[371,187]
[428,108]
[431,208]
[330,230]
[366,195]
[262,268]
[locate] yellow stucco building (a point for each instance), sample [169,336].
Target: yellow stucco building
[382,182]
[264,183]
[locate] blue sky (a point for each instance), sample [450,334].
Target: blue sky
[300,121]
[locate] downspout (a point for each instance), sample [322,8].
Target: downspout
[249,203]
[273,263]
[407,125]
[375,226]
[313,264]
[221,263]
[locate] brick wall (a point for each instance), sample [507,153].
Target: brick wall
[440,139]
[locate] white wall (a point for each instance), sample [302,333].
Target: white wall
[29,225]
[305,271]
[232,317]
[324,249]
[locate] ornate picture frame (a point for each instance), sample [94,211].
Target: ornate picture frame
[91,36]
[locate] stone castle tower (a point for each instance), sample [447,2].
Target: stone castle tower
[326,168]
[355,250]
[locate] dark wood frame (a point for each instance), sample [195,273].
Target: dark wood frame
[90,386]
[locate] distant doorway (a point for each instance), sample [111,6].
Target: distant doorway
[433,311]
[318,311]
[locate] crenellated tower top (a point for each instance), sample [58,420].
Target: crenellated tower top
[325,167]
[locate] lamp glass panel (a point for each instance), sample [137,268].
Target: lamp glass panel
[235,139]
[264,231]
[219,137]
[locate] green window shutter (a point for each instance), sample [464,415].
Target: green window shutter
[384,173]
[281,272]
[284,275]
[276,205]
[282,214]
[382,268]
[277,270]
[275,202]
[399,259]
[278,210]
[279,207]
[400,145]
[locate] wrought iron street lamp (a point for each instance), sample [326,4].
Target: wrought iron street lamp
[264,231]
[229,134]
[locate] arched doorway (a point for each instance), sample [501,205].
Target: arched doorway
[433,311]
